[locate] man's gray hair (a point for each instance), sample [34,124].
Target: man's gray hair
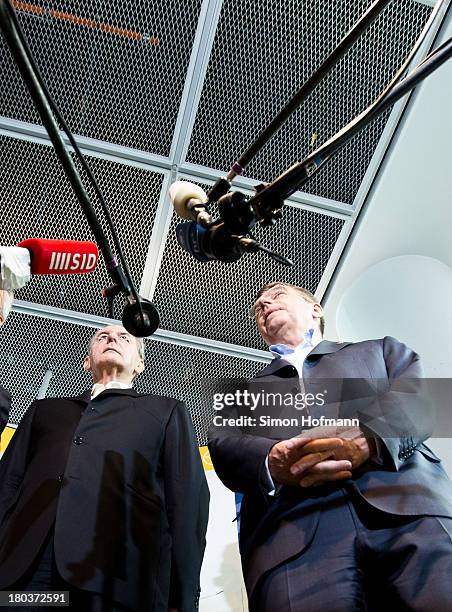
[140,347]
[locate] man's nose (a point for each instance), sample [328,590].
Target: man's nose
[266,305]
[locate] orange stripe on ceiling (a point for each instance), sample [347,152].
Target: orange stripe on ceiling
[105,27]
[89,23]
[28,7]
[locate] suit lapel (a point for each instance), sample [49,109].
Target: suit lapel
[280,367]
[326,347]
[85,397]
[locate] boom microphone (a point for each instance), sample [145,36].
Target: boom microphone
[44,256]
[189,202]
[225,239]
[213,243]
[203,238]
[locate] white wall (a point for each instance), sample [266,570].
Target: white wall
[222,586]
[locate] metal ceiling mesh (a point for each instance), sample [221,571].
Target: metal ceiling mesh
[116,69]
[31,345]
[264,51]
[117,72]
[37,201]
[212,299]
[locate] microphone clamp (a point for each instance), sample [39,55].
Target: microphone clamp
[140,324]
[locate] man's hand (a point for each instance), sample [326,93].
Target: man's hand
[355,450]
[289,460]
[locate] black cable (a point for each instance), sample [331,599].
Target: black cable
[441,46]
[77,151]
[284,185]
[290,181]
[345,44]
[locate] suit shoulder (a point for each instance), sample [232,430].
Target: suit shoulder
[166,409]
[51,401]
[388,344]
[60,405]
[374,342]
[161,401]
[390,349]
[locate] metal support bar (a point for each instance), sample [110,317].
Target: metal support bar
[208,19]
[30,132]
[44,385]
[161,335]
[194,81]
[157,240]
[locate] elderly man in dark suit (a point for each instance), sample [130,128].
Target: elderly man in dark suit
[104,494]
[338,519]
[5,405]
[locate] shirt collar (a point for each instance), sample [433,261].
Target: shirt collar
[312,337]
[112,384]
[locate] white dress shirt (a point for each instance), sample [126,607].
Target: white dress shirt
[295,357]
[113,384]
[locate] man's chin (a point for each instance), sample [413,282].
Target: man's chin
[276,322]
[110,359]
[275,332]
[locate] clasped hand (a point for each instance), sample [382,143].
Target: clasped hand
[305,461]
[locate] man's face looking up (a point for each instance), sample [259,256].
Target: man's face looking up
[113,350]
[283,315]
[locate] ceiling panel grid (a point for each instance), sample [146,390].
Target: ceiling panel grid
[115,69]
[180,86]
[37,200]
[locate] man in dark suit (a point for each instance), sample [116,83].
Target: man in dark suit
[338,519]
[5,405]
[104,494]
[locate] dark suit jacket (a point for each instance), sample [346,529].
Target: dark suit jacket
[122,480]
[411,480]
[5,405]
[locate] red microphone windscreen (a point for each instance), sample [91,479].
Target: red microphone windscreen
[61,256]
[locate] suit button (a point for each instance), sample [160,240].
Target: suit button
[78,440]
[60,478]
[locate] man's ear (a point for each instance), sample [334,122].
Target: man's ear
[317,311]
[87,364]
[139,367]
